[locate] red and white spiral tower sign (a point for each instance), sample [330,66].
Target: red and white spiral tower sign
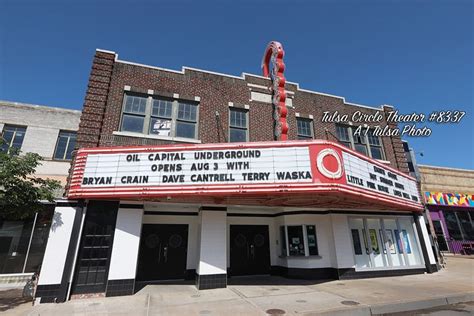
[273,67]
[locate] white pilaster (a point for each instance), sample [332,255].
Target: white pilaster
[57,247]
[427,239]
[342,241]
[124,258]
[213,243]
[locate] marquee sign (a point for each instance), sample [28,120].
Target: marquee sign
[243,169]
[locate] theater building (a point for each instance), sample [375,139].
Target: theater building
[178,176]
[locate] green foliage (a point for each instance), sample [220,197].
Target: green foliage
[20,191]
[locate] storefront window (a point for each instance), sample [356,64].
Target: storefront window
[312,240]
[384,242]
[453,227]
[390,240]
[302,240]
[409,241]
[295,241]
[359,242]
[39,241]
[466,225]
[17,254]
[376,243]
[14,239]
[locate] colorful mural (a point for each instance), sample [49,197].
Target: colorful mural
[449,199]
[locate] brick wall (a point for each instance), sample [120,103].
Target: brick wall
[104,98]
[97,94]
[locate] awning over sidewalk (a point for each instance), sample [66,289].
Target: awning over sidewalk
[292,173]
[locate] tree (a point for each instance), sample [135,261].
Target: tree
[21,192]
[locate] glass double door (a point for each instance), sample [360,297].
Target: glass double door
[384,243]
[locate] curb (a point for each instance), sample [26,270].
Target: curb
[398,307]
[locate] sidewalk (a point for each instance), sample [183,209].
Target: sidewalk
[280,296]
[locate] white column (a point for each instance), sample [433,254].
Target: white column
[123,261]
[342,242]
[57,247]
[212,266]
[426,237]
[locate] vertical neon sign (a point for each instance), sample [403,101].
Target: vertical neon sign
[273,67]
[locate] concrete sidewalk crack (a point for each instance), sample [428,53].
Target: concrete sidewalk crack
[148,304]
[242,296]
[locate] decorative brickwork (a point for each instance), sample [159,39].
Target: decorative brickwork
[95,100]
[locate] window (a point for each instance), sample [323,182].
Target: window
[312,240]
[343,135]
[186,122]
[159,116]
[238,125]
[134,114]
[365,143]
[405,147]
[360,144]
[453,225]
[17,253]
[466,225]
[305,128]
[13,138]
[375,145]
[460,225]
[384,242]
[298,240]
[65,145]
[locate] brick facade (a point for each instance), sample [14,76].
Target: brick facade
[109,77]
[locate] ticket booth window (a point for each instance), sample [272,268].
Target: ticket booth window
[299,240]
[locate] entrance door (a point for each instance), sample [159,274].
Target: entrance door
[163,250]
[93,260]
[249,250]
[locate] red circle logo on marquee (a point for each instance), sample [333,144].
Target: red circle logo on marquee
[329,164]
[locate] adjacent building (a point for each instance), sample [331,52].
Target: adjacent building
[51,133]
[449,198]
[178,176]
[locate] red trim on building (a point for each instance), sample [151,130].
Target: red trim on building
[312,193]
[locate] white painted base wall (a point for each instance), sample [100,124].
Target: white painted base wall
[208,237]
[213,243]
[123,262]
[58,243]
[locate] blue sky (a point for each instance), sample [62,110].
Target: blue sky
[415,55]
